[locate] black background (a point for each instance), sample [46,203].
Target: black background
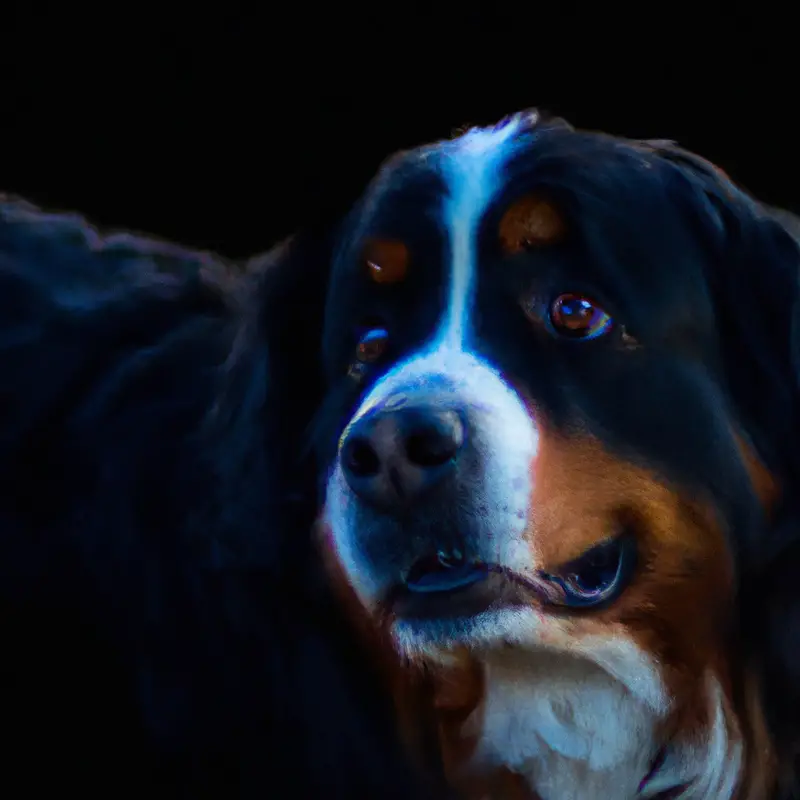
[227,128]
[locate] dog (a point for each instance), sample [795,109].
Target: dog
[167,627]
[558,459]
[489,491]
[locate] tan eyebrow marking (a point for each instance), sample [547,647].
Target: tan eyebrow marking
[386,260]
[531,221]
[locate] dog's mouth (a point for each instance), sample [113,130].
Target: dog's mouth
[446,587]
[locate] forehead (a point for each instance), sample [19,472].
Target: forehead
[631,216]
[418,185]
[599,181]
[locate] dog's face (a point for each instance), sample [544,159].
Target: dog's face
[535,453]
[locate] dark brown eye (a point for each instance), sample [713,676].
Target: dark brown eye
[577,317]
[372,345]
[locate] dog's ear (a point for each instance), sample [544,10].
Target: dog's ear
[754,277]
[269,387]
[286,290]
[754,280]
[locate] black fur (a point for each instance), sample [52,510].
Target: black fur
[166,630]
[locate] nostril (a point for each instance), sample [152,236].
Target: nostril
[360,458]
[426,450]
[435,443]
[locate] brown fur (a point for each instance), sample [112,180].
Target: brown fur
[529,222]
[386,260]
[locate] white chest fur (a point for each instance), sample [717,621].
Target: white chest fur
[575,731]
[568,726]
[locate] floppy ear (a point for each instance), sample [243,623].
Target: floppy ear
[285,294]
[754,278]
[755,283]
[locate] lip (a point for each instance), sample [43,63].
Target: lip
[499,588]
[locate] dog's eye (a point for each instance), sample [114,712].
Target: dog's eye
[577,317]
[596,577]
[372,345]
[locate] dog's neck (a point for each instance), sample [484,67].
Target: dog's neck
[566,729]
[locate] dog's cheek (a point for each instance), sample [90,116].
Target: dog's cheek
[409,685]
[368,631]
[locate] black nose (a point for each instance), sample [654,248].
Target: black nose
[390,458]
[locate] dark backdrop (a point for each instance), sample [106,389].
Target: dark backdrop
[226,129]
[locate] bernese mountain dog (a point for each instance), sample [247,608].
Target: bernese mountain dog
[491,493]
[560,459]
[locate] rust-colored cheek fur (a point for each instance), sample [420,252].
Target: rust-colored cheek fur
[678,604]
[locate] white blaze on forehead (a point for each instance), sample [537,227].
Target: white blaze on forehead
[471,166]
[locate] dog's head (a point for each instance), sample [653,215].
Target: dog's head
[560,437]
